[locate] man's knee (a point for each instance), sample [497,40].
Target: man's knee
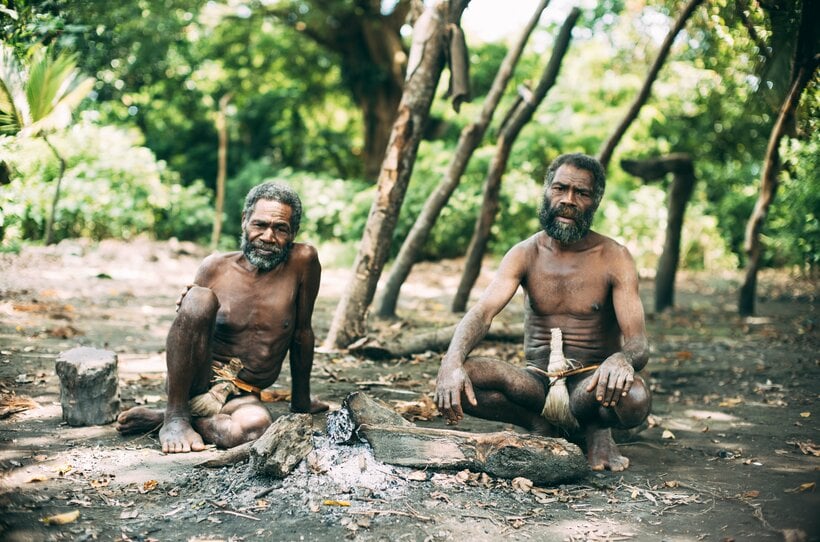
[633,409]
[252,421]
[199,303]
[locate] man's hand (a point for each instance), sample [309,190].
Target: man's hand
[182,295]
[612,380]
[449,386]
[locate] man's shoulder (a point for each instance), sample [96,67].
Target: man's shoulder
[531,243]
[304,253]
[217,259]
[607,244]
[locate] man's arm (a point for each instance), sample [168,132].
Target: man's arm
[452,380]
[303,341]
[614,378]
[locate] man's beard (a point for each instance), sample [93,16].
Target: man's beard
[566,233]
[264,256]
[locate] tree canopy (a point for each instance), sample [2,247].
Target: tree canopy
[300,74]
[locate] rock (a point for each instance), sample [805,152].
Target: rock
[89,386]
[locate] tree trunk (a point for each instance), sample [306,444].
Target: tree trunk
[605,154]
[680,165]
[492,184]
[222,161]
[769,183]
[378,113]
[429,40]
[50,221]
[369,44]
[468,141]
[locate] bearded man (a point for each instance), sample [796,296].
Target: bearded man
[581,297]
[245,311]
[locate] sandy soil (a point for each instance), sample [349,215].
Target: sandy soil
[729,453]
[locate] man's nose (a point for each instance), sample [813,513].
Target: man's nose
[568,197]
[268,235]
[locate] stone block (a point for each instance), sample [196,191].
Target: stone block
[89,386]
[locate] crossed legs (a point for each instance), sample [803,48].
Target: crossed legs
[188,357]
[515,395]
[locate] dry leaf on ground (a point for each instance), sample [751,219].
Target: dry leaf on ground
[62,519]
[808,486]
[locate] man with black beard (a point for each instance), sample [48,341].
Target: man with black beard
[581,289]
[245,311]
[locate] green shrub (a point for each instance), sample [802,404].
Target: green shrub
[112,187]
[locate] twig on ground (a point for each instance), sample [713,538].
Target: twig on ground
[240,514]
[412,514]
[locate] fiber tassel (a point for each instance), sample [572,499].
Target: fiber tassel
[556,408]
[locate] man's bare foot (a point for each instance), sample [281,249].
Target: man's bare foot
[602,453]
[177,436]
[139,420]
[317,406]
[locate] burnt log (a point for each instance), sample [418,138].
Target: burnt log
[544,460]
[282,447]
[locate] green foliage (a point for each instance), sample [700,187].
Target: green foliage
[332,209]
[40,95]
[162,66]
[112,188]
[793,228]
[640,225]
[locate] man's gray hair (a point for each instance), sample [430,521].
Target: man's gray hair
[585,162]
[275,191]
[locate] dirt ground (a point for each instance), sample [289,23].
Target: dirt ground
[729,453]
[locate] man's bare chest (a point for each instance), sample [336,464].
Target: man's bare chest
[267,308]
[571,290]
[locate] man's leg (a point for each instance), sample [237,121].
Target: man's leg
[188,356]
[597,420]
[506,393]
[241,420]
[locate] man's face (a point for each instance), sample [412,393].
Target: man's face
[266,234]
[569,206]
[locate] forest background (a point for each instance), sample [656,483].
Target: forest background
[155,91]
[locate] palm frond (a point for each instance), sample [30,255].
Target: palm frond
[13,105]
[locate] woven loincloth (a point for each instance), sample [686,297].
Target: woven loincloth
[567,421]
[226,384]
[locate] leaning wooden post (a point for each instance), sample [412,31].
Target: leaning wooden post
[425,63]
[683,183]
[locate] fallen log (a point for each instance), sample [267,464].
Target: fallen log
[282,447]
[436,341]
[544,460]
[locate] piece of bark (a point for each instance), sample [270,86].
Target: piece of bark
[545,461]
[89,386]
[282,447]
[231,456]
[437,341]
